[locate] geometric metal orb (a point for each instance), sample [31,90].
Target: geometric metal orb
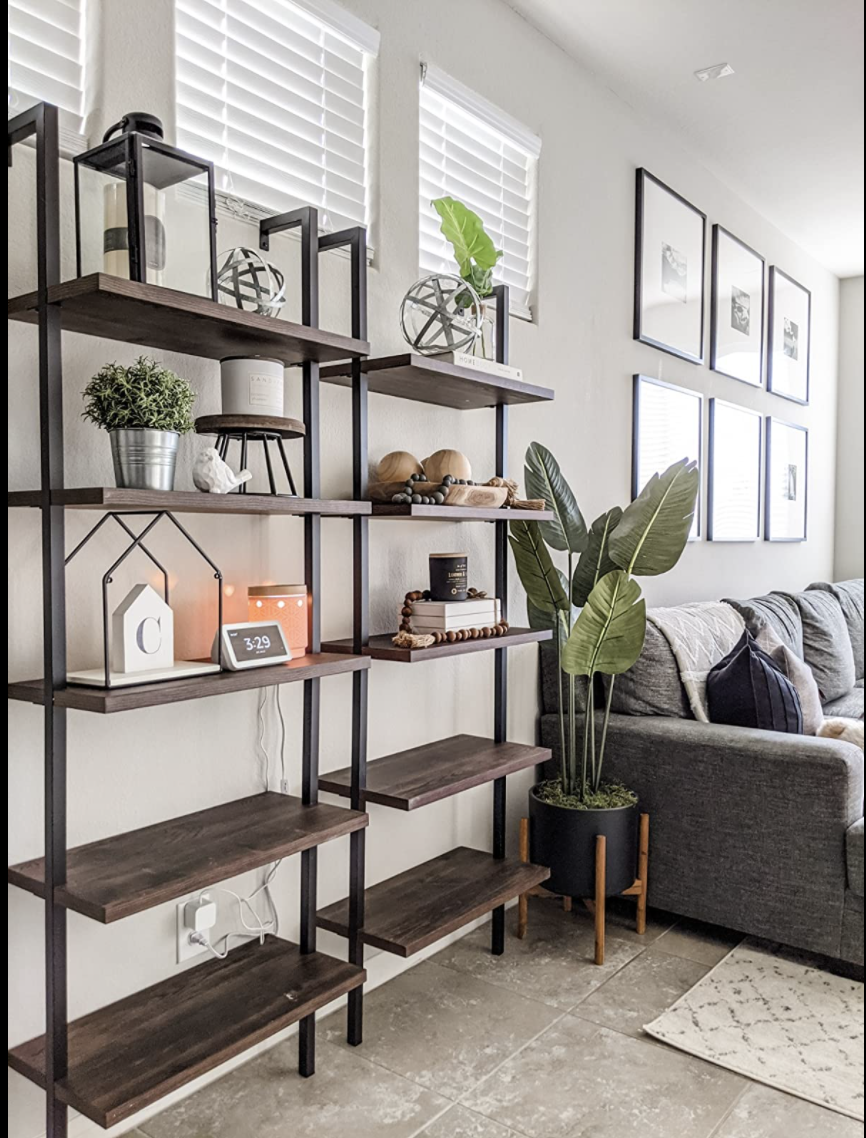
[247,281]
[441,313]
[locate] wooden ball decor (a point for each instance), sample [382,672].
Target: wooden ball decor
[447,462]
[398,466]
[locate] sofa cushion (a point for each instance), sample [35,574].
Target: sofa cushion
[855,858]
[748,689]
[850,706]
[652,686]
[800,675]
[826,643]
[849,594]
[776,610]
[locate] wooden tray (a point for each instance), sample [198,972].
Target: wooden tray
[489,497]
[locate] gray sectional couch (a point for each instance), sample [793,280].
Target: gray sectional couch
[754,830]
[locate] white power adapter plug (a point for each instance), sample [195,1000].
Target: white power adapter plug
[195,919]
[200,915]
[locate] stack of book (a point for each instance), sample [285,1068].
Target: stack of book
[452,616]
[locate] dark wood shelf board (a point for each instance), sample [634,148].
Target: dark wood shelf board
[131,1054]
[381,648]
[129,873]
[106,702]
[189,502]
[156,317]
[418,777]
[457,514]
[415,909]
[426,379]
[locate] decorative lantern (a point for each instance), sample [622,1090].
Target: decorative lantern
[146,211]
[287,605]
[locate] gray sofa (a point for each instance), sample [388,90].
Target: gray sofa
[754,830]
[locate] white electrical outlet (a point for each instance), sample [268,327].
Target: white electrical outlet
[186,950]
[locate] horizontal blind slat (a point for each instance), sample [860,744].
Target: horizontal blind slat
[46,55]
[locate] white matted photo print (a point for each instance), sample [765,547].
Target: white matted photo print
[787,491]
[735,461]
[737,309]
[668,426]
[670,247]
[790,347]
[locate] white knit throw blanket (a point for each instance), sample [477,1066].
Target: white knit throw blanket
[700,635]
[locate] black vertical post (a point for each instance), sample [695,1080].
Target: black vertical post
[500,710]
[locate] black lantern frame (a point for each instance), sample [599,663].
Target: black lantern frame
[127,151]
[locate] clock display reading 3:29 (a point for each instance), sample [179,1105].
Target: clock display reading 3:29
[260,644]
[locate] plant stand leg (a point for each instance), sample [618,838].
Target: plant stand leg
[643,873]
[567,904]
[523,902]
[600,896]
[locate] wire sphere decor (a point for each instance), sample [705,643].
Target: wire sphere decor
[441,313]
[247,281]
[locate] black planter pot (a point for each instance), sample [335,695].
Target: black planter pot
[565,841]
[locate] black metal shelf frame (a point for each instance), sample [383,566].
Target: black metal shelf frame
[41,123]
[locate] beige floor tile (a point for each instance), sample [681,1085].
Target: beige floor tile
[583,1081]
[444,1030]
[765,1113]
[266,1098]
[696,941]
[460,1123]
[554,964]
[641,991]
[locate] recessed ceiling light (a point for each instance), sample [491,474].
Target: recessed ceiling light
[719,71]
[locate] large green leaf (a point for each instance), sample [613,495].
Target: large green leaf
[465,230]
[544,584]
[595,561]
[609,634]
[544,479]
[550,620]
[654,529]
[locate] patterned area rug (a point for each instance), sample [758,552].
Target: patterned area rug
[773,1017]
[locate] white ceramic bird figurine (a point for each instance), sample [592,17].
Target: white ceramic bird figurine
[213,476]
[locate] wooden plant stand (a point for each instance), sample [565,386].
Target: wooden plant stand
[596,905]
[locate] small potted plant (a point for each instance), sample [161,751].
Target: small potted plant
[476,258]
[598,618]
[145,408]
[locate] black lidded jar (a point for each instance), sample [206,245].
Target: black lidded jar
[449,576]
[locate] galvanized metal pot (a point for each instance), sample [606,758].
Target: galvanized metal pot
[144,459]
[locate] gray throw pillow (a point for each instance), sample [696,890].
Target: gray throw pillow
[549,696]
[826,643]
[849,594]
[800,675]
[776,610]
[653,686]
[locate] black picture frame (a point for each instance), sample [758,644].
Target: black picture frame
[760,491]
[721,231]
[773,424]
[639,381]
[643,176]
[775,274]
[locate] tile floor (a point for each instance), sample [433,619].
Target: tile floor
[539,1044]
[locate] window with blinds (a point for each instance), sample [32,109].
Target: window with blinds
[276,96]
[46,57]
[473,151]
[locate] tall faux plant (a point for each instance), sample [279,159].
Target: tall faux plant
[607,634]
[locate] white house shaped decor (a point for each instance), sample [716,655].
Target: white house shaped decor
[142,630]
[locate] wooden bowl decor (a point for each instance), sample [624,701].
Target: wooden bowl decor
[443,479]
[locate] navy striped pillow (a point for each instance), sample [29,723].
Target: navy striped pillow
[748,689]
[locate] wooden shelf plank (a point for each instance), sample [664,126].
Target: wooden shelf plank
[381,648]
[415,778]
[189,502]
[458,514]
[430,901]
[156,317]
[129,873]
[106,702]
[426,379]
[131,1054]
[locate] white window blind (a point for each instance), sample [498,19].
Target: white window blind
[472,151]
[46,57]
[275,95]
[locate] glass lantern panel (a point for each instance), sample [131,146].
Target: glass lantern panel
[177,222]
[102,228]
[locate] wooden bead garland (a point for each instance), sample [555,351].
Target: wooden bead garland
[455,636]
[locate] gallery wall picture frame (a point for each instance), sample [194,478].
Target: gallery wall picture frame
[670,269]
[735,484]
[667,425]
[789,348]
[737,304]
[786,508]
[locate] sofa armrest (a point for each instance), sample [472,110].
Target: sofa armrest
[749,827]
[855,858]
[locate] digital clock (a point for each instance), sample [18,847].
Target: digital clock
[251,645]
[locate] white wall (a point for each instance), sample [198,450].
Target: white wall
[140,767]
[849,465]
